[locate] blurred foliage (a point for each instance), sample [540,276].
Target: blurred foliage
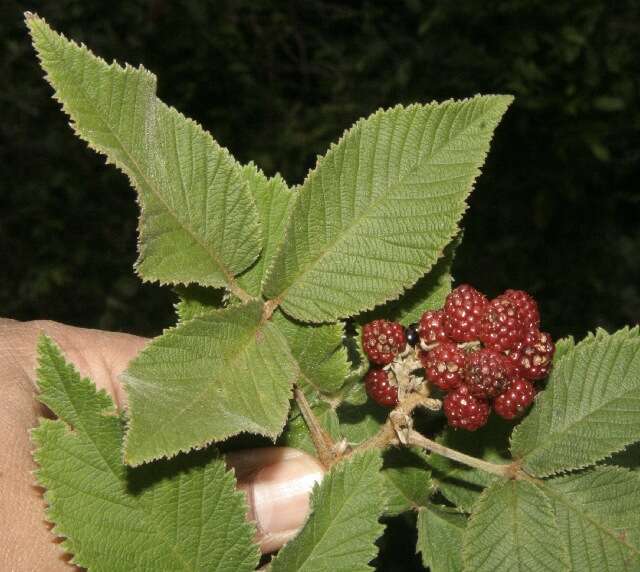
[555,212]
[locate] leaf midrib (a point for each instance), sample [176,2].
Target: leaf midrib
[228,275]
[386,195]
[551,439]
[550,491]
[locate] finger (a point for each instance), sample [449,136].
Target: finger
[277,482]
[100,356]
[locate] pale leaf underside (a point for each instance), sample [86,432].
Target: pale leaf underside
[199,222]
[208,379]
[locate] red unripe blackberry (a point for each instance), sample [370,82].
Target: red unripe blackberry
[487,373]
[501,326]
[379,388]
[514,401]
[529,313]
[383,340]
[431,328]
[463,310]
[444,365]
[533,356]
[464,411]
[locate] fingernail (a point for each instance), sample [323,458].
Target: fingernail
[278,482]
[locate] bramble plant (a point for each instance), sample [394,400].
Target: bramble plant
[285,294]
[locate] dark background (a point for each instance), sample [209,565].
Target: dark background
[555,211]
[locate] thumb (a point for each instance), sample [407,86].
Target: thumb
[277,482]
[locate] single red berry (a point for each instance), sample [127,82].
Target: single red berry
[514,401]
[529,313]
[383,340]
[379,388]
[463,310]
[464,411]
[533,356]
[501,326]
[430,328]
[487,372]
[444,365]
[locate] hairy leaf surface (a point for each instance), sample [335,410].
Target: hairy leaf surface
[461,484]
[274,200]
[590,409]
[319,352]
[440,531]
[407,479]
[513,527]
[598,514]
[343,526]
[184,514]
[379,208]
[208,379]
[428,293]
[199,222]
[296,433]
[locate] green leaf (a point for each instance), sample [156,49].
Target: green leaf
[513,527]
[407,479]
[296,433]
[343,526]
[205,380]
[440,531]
[319,352]
[360,417]
[461,484]
[182,514]
[199,222]
[379,208]
[428,293]
[195,301]
[598,513]
[274,200]
[590,409]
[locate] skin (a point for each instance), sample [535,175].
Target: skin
[277,480]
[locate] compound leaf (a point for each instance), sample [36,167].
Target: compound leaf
[184,514]
[198,222]
[513,527]
[440,531]
[379,208]
[212,377]
[343,526]
[590,409]
[598,512]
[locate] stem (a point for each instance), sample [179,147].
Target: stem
[505,471]
[238,292]
[322,441]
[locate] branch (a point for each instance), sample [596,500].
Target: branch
[510,471]
[322,441]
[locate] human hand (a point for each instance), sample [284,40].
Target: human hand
[276,480]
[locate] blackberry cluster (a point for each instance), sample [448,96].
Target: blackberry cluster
[482,353]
